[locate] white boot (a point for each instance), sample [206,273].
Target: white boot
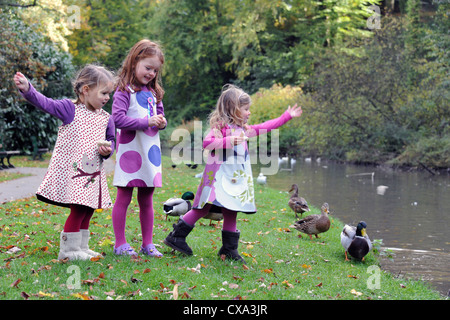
[85,235]
[69,246]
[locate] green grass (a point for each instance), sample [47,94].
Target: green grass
[6,175]
[23,161]
[280,265]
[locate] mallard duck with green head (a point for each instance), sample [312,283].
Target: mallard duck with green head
[314,223]
[356,241]
[178,206]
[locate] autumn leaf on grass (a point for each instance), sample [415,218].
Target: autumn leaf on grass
[287,284]
[45,295]
[196,269]
[24,295]
[81,296]
[175,292]
[15,283]
[96,258]
[110,293]
[356,293]
[134,280]
[233,286]
[269,270]
[185,295]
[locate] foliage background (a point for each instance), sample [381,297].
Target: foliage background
[368,95]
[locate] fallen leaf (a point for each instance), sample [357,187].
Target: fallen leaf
[175,292]
[15,283]
[24,295]
[43,294]
[134,280]
[133,293]
[110,293]
[185,295]
[233,286]
[356,293]
[94,259]
[268,270]
[287,284]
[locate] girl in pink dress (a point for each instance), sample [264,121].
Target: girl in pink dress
[227,182]
[138,114]
[75,177]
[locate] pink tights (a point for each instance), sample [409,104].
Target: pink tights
[119,214]
[229,217]
[79,218]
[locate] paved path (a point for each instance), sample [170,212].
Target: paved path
[26,187]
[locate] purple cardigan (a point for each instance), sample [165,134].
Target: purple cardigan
[224,142]
[120,106]
[64,110]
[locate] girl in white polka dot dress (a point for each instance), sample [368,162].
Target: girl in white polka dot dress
[138,114]
[75,177]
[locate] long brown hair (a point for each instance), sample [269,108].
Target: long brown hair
[227,107]
[141,50]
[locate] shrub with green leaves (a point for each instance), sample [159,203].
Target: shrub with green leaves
[49,70]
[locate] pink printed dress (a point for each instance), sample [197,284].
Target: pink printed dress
[75,174]
[138,157]
[227,179]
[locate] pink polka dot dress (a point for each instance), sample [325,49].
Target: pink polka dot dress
[138,157]
[75,174]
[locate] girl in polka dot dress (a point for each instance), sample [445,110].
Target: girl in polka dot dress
[138,115]
[227,182]
[75,177]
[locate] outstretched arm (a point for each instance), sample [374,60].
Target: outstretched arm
[257,129]
[62,109]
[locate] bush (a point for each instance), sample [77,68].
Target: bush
[271,103]
[50,71]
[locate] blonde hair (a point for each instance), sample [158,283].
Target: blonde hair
[91,75]
[227,108]
[141,50]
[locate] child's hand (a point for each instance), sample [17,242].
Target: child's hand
[295,111]
[157,121]
[21,82]
[239,139]
[104,151]
[163,123]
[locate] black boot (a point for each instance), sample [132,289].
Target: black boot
[230,242]
[177,238]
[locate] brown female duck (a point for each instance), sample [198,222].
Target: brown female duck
[315,223]
[296,203]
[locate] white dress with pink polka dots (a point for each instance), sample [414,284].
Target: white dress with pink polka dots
[138,157]
[75,174]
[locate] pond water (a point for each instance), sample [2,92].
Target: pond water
[411,215]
